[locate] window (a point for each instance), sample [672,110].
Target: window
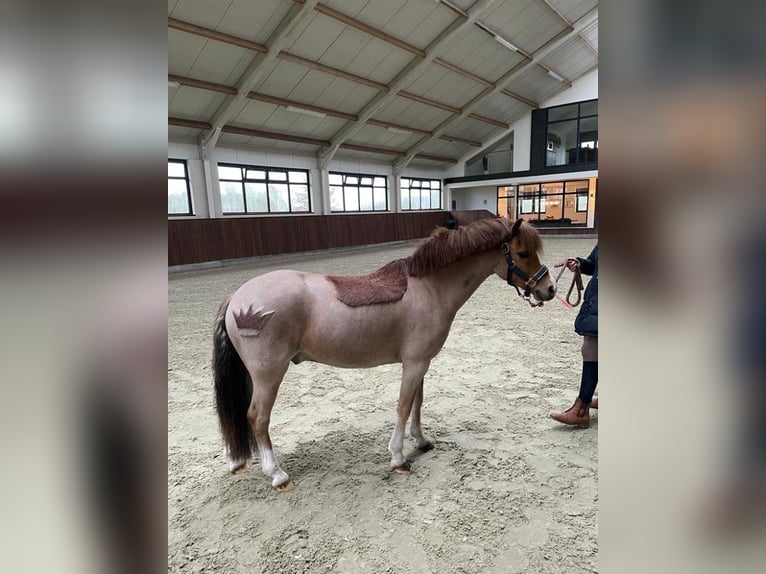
[179,190]
[572,134]
[421,193]
[253,189]
[357,192]
[550,203]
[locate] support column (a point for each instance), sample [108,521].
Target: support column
[212,187]
[323,195]
[396,190]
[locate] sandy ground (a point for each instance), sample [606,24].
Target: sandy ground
[506,489]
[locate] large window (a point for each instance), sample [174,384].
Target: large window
[253,189]
[551,203]
[179,191]
[572,134]
[421,193]
[358,192]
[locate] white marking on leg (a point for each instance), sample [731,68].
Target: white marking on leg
[270,467]
[234,463]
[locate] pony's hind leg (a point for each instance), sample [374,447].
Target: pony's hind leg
[236,465]
[412,377]
[259,416]
[416,431]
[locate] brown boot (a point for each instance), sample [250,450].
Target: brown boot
[578,414]
[594,403]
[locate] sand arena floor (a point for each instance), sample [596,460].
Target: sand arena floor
[506,489]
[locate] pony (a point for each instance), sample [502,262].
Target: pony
[401,313]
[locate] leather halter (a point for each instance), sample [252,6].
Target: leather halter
[530,282]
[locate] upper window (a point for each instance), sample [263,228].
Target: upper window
[358,192]
[421,193]
[179,190]
[253,189]
[572,134]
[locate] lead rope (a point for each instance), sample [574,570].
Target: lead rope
[576,282]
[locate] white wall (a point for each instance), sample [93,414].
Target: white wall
[206,198]
[483,197]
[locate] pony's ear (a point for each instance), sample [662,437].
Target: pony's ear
[516,226]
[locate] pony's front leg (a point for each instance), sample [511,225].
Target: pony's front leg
[412,376]
[416,431]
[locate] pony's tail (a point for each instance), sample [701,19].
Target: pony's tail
[233,391]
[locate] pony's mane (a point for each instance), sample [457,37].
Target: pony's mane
[444,246]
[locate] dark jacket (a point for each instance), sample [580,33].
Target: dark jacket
[586,322]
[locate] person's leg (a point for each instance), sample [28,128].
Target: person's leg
[579,413]
[589,378]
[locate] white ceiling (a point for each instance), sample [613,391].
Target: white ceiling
[344,56]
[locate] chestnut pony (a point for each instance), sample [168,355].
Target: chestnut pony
[401,313]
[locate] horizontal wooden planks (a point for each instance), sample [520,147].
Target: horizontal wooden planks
[202,240]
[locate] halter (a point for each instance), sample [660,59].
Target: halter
[530,282]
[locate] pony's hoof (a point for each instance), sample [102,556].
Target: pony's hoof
[240,469]
[426,447]
[285,486]
[403,469]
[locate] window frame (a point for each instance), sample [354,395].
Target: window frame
[358,185]
[188,187]
[578,134]
[430,188]
[538,198]
[244,168]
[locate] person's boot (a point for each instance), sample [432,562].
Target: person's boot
[578,414]
[594,403]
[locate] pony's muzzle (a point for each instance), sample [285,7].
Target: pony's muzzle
[543,294]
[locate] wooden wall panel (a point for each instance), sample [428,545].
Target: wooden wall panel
[202,240]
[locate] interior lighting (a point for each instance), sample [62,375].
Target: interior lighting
[307,112]
[506,43]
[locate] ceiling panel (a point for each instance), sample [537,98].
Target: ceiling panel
[385,70]
[271,117]
[572,60]
[471,129]
[406,112]
[319,33]
[345,96]
[447,149]
[503,108]
[383,137]
[183,50]
[573,10]
[344,48]
[201,12]
[377,14]
[457,95]
[528,24]
[350,7]
[418,22]
[217,61]
[591,34]
[282,78]
[532,83]
[180,133]
[480,54]
[193,103]
[255,21]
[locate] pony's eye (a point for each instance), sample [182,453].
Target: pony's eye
[523,254]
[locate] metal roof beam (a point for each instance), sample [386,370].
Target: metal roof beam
[501,84]
[255,71]
[414,69]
